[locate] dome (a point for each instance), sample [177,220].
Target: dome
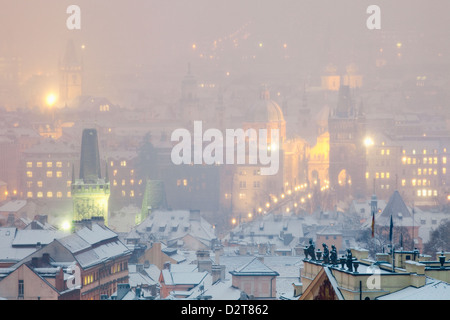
[265,110]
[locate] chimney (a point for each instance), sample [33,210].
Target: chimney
[194,215]
[46,258]
[204,262]
[139,268]
[166,265]
[34,262]
[217,273]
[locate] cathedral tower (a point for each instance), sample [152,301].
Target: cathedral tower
[70,70]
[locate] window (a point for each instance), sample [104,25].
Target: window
[58,174]
[69,194]
[30,194]
[131,193]
[40,194]
[242,184]
[256,184]
[21,288]
[29,174]
[444,160]
[49,174]
[39,164]
[59,194]
[49,194]
[123,163]
[49,164]
[29,164]
[39,184]
[69,183]
[59,164]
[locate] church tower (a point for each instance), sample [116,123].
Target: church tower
[347,153]
[70,72]
[90,193]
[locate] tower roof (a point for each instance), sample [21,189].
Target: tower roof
[265,110]
[90,170]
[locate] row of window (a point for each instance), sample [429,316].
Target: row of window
[420,172]
[425,160]
[48,194]
[49,174]
[48,164]
[124,182]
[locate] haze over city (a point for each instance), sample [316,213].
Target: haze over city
[260,149]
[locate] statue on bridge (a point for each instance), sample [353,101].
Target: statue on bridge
[326,253]
[310,250]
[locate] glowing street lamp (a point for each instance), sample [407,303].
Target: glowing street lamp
[50,100]
[368,142]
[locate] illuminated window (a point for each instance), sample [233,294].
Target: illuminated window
[39,184]
[435,160]
[414,161]
[29,174]
[131,172]
[425,160]
[29,164]
[59,164]
[59,194]
[132,193]
[69,194]
[112,163]
[185,182]
[435,193]
[40,194]
[435,172]
[424,151]
[30,194]
[419,171]
[123,163]
[123,182]
[39,164]
[114,183]
[377,175]
[409,160]
[124,193]
[403,182]
[429,193]
[419,182]
[444,170]
[242,195]
[367,175]
[444,160]
[413,182]
[424,182]
[382,152]
[388,152]
[425,171]
[49,164]
[419,193]
[414,151]
[58,174]
[49,194]
[382,175]
[404,160]
[132,182]
[114,173]
[49,174]
[387,175]
[69,183]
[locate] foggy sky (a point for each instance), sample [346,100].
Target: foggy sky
[120,35]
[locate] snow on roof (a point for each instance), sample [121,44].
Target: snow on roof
[32,237]
[7,252]
[183,278]
[101,253]
[432,290]
[254,268]
[96,234]
[13,206]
